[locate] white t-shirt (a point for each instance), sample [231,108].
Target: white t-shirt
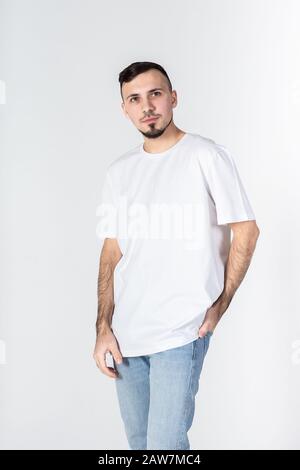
[169,212]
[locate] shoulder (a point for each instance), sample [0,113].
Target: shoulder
[209,152]
[117,166]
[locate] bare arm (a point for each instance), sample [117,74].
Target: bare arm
[110,255]
[105,339]
[245,235]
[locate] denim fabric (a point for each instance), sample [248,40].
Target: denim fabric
[156,395]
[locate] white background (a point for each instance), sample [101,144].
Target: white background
[235,66]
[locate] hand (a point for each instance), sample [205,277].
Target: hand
[211,319]
[106,342]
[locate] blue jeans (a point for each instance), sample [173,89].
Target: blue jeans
[156,395]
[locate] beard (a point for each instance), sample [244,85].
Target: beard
[153,131]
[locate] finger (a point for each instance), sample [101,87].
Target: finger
[109,371]
[104,369]
[117,356]
[202,331]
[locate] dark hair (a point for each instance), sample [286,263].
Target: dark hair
[134,69]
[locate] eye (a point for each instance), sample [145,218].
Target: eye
[135,97]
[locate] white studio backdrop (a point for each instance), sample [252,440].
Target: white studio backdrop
[235,66]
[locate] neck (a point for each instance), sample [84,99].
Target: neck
[159,144]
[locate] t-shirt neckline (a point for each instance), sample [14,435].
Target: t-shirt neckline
[161,154]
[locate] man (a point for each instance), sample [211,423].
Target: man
[168,269]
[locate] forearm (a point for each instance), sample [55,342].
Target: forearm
[105,293]
[239,258]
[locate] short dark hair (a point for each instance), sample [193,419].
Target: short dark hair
[134,69]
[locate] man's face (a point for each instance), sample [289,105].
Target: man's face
[148,95]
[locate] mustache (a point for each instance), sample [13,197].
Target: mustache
[149,116]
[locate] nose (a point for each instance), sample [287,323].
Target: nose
[147,107]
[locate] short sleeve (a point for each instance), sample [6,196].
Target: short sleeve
[226,188]
[107,210]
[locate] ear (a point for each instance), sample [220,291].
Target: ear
[174,99]
[123,109]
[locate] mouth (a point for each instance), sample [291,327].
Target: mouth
[150,119]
